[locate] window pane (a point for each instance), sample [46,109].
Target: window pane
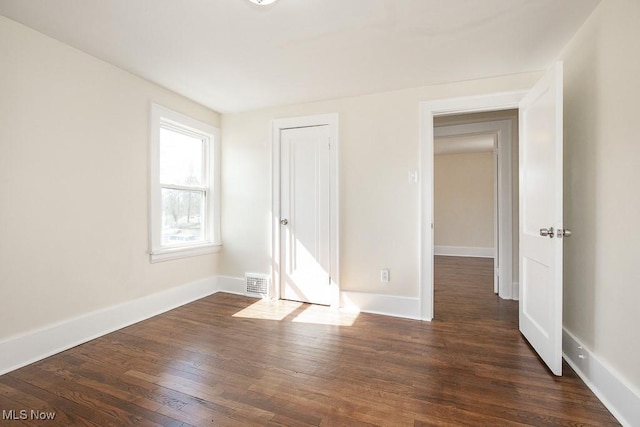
[182,217]
[181,158]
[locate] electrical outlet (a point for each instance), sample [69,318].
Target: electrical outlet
[385,275]
[581,354]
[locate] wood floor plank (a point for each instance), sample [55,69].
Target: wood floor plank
[228,360]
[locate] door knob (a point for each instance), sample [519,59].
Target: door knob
[564,232]
[544,232]
[284,221]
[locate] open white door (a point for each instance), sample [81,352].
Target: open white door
[541,227]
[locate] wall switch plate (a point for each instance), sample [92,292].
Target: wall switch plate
[385,275]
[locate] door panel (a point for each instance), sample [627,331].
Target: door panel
[305,194]
[541,208]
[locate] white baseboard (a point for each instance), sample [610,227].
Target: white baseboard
[388,305]
[464,251]
[232,285]
[32,346]
[515,291]
[620,398]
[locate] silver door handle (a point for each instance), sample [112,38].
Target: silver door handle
[544,232]
[564,232]
[284,221]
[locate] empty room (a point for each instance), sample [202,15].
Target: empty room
[319,212]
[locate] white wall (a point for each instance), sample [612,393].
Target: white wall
[73,184]
[602,197]
[379,144]
[464,200]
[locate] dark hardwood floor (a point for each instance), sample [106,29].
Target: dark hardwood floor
[227,360]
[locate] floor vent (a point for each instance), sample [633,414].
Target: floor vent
[257,284]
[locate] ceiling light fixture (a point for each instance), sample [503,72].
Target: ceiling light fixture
[262,2]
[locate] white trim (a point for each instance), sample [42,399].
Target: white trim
[176,253]
[503,199]
[428,110]
[277,126]
[388,305]
[232,285]
[620,397]
[36,345]
[465,251]
[160,115]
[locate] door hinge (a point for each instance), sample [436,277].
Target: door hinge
[329,279]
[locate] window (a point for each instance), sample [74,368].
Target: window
[185,192]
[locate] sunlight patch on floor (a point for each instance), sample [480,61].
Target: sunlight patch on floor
[322,315]
[269,309]
[314,314]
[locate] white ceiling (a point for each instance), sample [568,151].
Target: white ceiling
[231,55]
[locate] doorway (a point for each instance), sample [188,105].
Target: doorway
[465,205]
[476,158]
[428,111]
[540,121]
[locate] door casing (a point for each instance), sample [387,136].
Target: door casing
[330,120]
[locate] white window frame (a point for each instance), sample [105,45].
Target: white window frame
[161,117]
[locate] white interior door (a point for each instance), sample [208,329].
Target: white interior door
[305,214]
[541,218]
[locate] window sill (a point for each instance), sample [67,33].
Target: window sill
[160,255]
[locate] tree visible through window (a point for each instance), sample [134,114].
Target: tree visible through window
[184,186]
[184,200]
